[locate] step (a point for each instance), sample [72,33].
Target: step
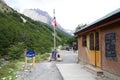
[94,70]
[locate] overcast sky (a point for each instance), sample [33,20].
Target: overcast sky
[70,13]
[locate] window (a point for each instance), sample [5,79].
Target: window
[96,40]
[92,41]
[84,40]
[110,46]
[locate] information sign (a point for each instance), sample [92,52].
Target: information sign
[30,53]
[110,45]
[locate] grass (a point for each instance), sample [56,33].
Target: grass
[41,57]
[8,71]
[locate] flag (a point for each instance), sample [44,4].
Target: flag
[54,21]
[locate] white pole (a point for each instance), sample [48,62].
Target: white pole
[54,38]
[54,29]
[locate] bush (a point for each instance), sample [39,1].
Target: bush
[8,70]
[35,35]
[42,57]
[16,51]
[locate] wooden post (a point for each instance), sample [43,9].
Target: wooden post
[26,58]
[33,61]
[25,67]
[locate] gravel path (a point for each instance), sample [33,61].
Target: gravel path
[47,70]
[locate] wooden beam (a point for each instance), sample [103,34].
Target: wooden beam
[97,27]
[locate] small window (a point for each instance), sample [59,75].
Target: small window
[84,40]
[92,41]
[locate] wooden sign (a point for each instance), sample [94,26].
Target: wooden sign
[29,54]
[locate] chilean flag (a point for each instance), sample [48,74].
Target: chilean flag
[54,21]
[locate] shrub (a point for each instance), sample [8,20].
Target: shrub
[42,57]
[8,70]
[16,51]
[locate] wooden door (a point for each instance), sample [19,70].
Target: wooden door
[95,56]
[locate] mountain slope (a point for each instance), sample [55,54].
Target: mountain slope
[38,15]
[18,32]
[43,16]
[4,7]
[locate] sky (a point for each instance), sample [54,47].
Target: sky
[70,13]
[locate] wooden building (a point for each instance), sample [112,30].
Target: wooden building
[99,43]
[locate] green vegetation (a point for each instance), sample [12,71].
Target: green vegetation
[71,40]
[7,71]
[16,35]
[42,57]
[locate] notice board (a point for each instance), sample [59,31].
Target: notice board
[110,45]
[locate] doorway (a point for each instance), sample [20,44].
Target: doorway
[95,56]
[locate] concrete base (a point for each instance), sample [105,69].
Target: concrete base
[111,76]
[74,72]
[94,70]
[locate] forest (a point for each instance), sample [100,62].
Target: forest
[17,35]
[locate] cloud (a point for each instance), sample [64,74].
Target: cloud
[70,13]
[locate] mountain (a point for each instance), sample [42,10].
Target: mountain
[38,15]
[3,1]
[4,7]
[18,32]
[70,31]
[43,16]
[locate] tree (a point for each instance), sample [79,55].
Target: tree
[80,26]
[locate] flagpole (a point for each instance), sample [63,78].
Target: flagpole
[54,39]
[54,29]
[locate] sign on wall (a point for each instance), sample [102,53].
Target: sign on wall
[110,46]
